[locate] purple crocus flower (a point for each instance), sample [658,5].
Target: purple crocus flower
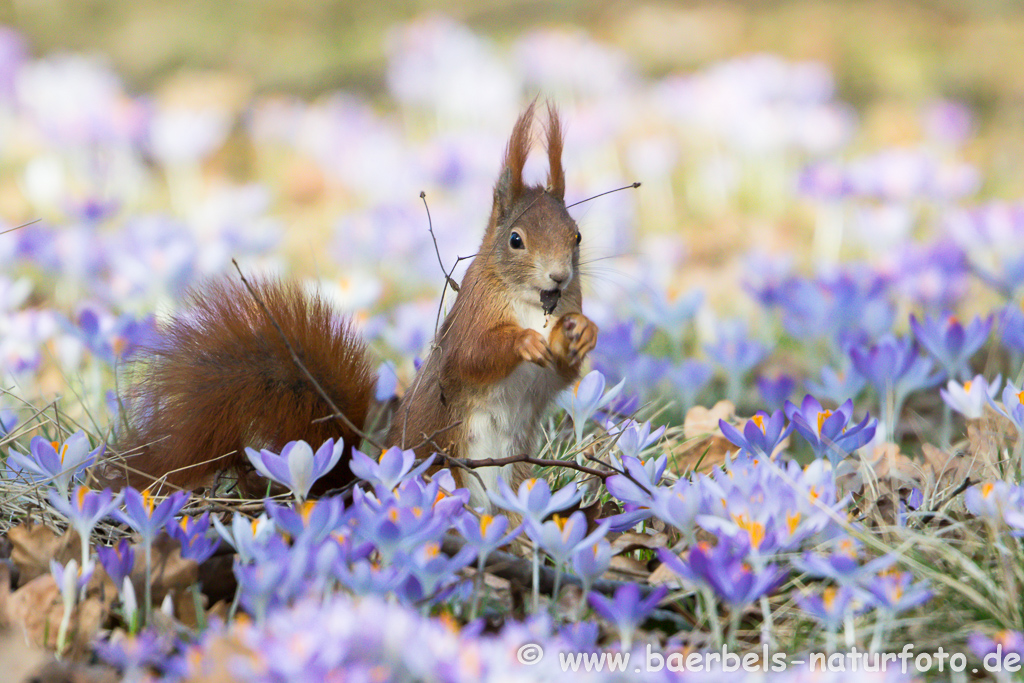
[993,651]
[843,564]
[1011,328]
[950,342]
[896,366]
[534,499]
[590,562]
[736,355]
[775,391]
[837,386]
[8,421]
[560,537]
[50,461]
[689,378]
[632,436]
[118,561]
[627,609]
[487,533]
[84,511]
[146,517]
[1012,407]
[724,569]
[830,433]
[297,467]
[832,605]
[314,520]
[192,533]
[246,536]
[892,591]
[395,466]
[636,488]
[761,434]
[586,398]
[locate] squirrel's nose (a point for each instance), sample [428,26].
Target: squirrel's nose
[560,277]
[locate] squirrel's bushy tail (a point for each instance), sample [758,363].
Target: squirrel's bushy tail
[220,378]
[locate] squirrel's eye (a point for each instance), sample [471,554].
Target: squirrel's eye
[515,241]
[579,237]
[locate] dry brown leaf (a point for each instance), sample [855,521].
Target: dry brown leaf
[19,661]
[629,568]
[36,610]
[662,574]
[34,545]
[632,540]
[72,672]
[218,662]
[701,422]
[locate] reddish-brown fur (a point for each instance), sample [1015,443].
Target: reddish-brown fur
[222,378]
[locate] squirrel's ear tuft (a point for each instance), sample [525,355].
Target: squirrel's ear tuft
[510,181]
[556,176]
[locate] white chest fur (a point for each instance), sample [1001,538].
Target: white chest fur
[507,421]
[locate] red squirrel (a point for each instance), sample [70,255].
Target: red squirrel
[221,378]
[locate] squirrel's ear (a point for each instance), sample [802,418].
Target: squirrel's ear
[556,176]
[510,182]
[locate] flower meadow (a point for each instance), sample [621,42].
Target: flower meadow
[810,442]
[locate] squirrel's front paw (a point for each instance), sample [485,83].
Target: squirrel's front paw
[573,337]
[532,347]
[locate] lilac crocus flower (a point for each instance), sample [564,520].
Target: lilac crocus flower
[590,562]
[118,561]
[586,398]
[689,378]
[893,592]
[84,511]
[1011,328]
[395,466]
[636,488]
[246,536]
[632,436]
[832,605]
[950,342]
[775,391]
[970,398]
[146,517]
[761,434]
[736,355]
[994,651]
[314,520]
[627,609]
[894,366]
[487,533]
[192,533]
[297,467]
[843,564]
[837,386]
[725,570]
[831,434]
[50,461]
[8,421]
[534,499]
[1012,407]
[560,537]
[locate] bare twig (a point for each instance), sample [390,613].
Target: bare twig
[299,364]
[23,225]
[631,186]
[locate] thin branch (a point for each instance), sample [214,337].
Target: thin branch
[23,225]
[543,462]
[299,364]
[632,186]
[430,227]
